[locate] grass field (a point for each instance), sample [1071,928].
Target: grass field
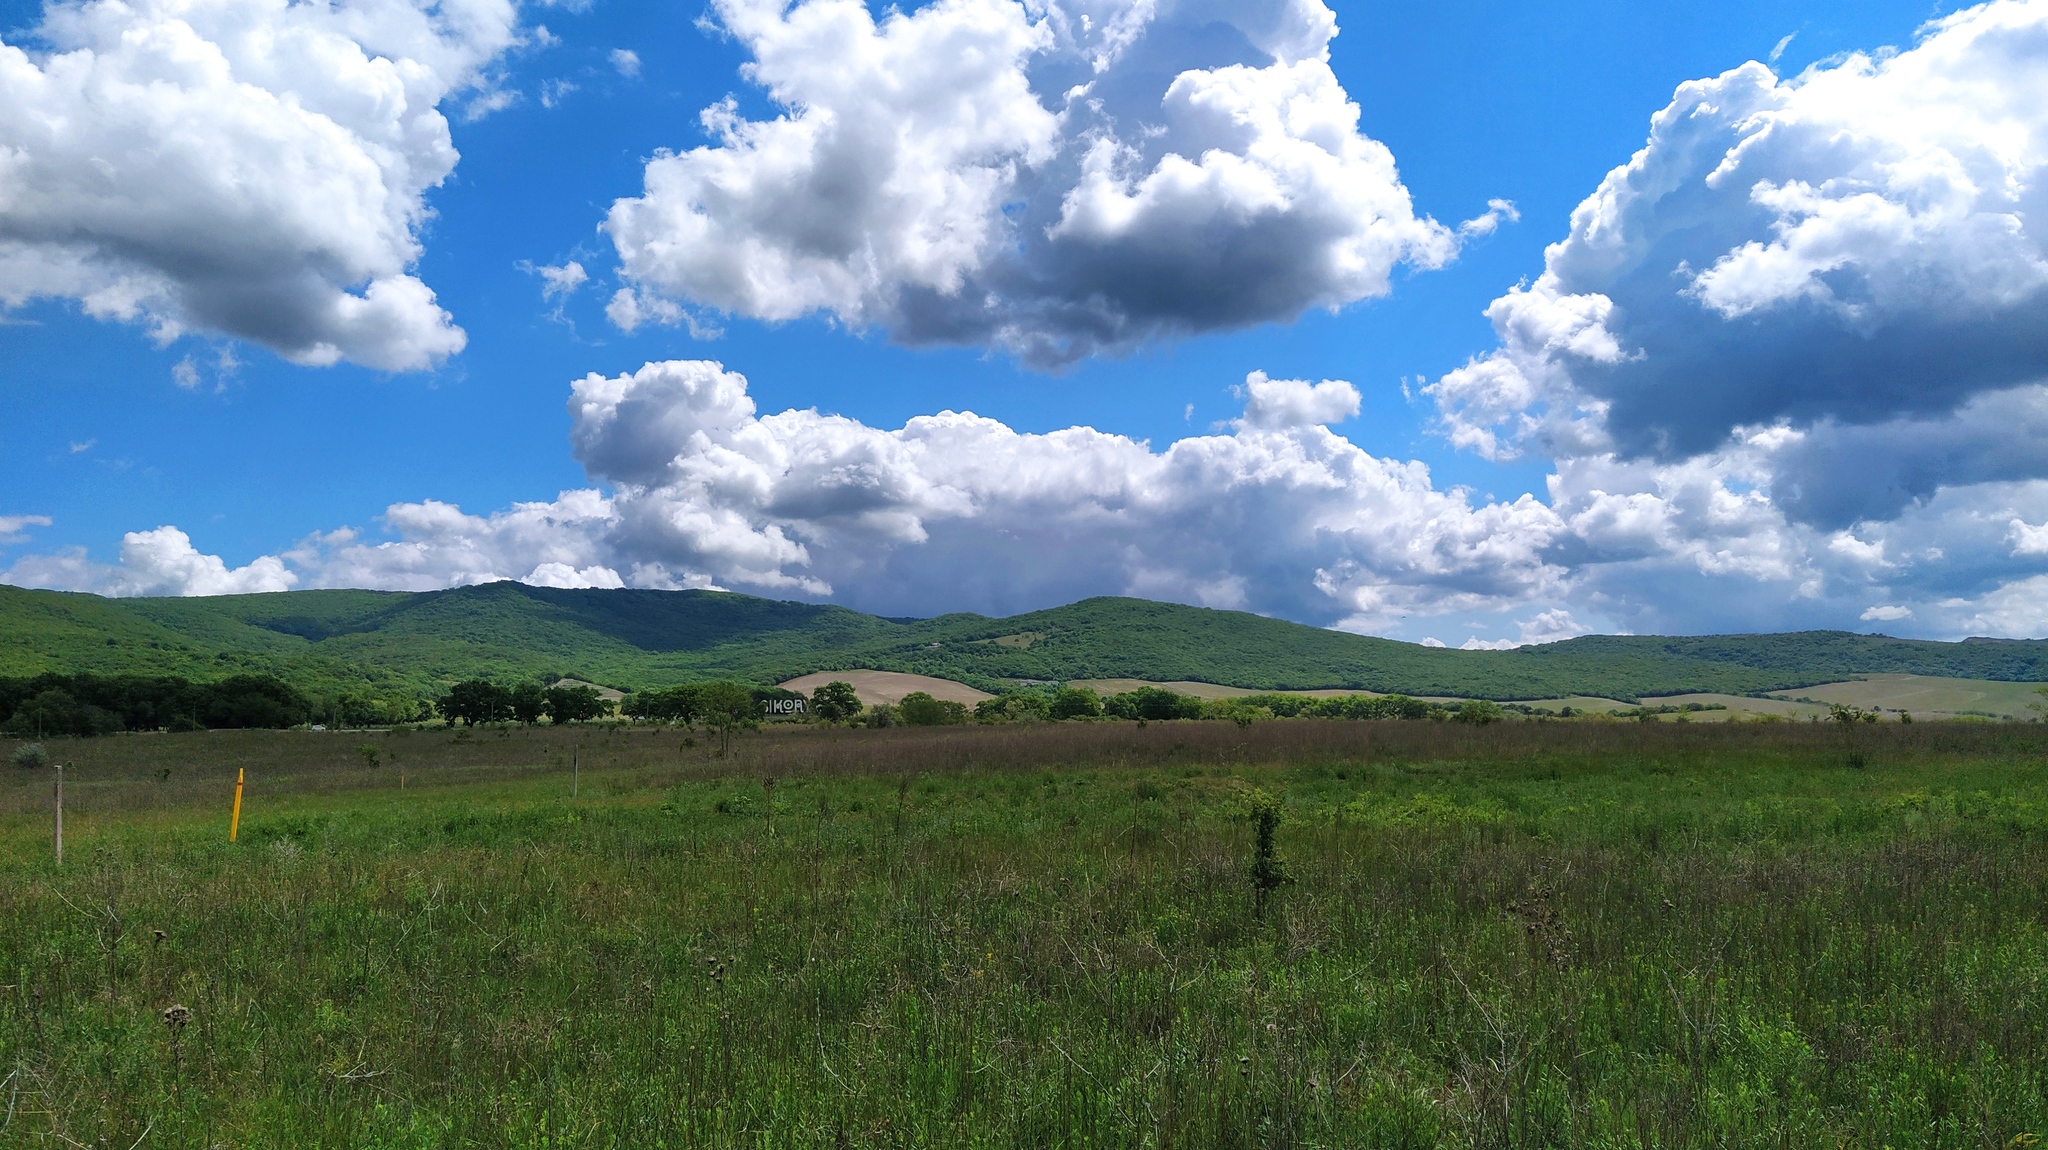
[1930,695]
[1527,934]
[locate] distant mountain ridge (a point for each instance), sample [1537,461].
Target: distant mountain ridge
[419,641]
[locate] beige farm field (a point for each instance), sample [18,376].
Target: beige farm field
[1107,687]
[1925,696]
[887,688]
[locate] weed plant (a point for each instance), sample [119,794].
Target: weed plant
[1514,935]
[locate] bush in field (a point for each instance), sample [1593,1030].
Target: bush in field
[1152,703]
[1479,712]
[835,702]
[881,715]
[1244,712]
[1075,703]
[1267,872]
[30,756]
[1011,707]
[919,709]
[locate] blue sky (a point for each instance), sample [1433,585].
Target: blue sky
[112,428]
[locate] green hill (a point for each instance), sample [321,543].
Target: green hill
[419,642]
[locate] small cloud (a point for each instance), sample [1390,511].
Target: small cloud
[1553,626]
[490,98]
[627,62]
[1432,641]
[629,309]
[1784,43]
[564,576]
[1886,614]
[1497,213]
[2028,540]
[12,526]
[1188,415]
[556,282]
[1475,643]
[543,37]
[186,373]
[76,448]
[552,91]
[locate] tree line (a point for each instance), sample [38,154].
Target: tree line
[88,704]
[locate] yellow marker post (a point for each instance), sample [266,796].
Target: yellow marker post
[235,822]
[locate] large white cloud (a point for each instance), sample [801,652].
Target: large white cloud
[254,168]
[1053,178]
[1859,244]
[950,512]
[1277,513]
[1789,361]
[159,562]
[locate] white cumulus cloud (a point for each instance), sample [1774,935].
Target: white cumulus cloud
[951,511]
[254,168]
[1860,243]
[1053,179]
[1790,358]
[159,562]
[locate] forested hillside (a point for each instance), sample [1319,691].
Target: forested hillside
[385,643]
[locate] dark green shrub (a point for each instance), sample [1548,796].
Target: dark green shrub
[1075,703]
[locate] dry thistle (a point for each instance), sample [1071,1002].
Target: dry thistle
[175,1018]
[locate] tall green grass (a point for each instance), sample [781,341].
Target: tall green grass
[1521,936]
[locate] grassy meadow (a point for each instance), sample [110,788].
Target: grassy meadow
[1524,934]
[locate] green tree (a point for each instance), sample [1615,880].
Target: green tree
[529,703]
[835,702]
[1075,703]
[662,705]
[474,701]
[30,756]
[575,704]
[58,712]
[920,709]
[725,708]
